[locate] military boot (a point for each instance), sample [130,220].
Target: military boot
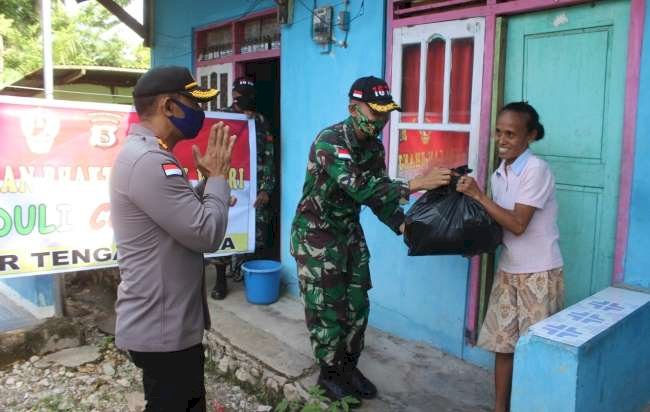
[220,289]
[361,385]
[332,379]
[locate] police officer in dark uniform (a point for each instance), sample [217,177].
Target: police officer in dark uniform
[244,101]
[162,228]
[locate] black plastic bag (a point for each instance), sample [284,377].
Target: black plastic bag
[446,222]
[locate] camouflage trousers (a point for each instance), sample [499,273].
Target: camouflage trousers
[334,282]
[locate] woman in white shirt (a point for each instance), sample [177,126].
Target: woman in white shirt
[529,284]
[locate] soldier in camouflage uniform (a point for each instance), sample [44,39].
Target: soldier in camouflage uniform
[346,170]
[244,102]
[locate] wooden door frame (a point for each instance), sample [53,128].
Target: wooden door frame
[240,70]
[491,11]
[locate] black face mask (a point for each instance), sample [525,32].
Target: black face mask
[244,102]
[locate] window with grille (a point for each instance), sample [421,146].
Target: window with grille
[437,73]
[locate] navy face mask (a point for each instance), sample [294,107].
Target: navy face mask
[191,124]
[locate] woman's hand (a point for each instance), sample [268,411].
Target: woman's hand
[468,186]
[439,176]
[516,221]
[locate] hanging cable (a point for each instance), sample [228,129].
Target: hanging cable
[249,11]
[185,36]
[362,10]
[40,89]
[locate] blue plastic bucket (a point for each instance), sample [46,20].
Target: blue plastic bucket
[262,280]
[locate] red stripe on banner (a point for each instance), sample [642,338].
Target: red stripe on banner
[35,135]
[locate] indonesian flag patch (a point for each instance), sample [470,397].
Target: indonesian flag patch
[357,94]
[171,169]
[342,153]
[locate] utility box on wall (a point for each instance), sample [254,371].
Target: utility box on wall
[322,25]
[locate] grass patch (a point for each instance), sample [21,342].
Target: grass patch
[317,402]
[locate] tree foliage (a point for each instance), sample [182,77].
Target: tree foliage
[87,37]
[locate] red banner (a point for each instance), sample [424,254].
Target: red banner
[421,150]
[55,162]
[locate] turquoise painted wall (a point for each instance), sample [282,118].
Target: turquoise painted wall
[543,368]
[418,298]
[608,373]
[637,259]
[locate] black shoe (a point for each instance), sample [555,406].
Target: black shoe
[335,385]
[362,385]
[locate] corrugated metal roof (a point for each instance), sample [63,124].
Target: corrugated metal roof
[64,75]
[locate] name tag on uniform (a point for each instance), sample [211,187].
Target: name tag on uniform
[172,169]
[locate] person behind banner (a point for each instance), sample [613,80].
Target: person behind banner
[345,171]
[529,284]
[162,228]
[244,101]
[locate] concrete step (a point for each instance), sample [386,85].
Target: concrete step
[272,342]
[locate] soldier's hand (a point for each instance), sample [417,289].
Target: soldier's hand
[262,199]
[437,177]
[216,159]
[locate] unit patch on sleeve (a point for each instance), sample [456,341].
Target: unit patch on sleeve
[171,169]
[343,153]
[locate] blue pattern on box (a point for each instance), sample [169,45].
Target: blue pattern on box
[581,322]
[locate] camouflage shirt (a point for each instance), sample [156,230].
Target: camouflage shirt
[265,155]
[343,174]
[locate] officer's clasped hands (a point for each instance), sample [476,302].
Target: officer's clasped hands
[216,159]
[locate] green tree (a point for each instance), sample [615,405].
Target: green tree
[87,37]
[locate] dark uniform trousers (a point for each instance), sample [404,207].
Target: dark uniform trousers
[173,381]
